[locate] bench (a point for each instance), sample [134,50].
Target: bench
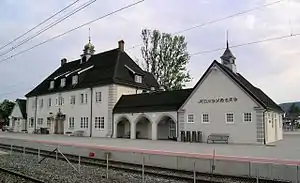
[78,133]
[218,137]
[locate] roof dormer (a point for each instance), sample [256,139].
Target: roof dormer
[74,79]
[51,85]
[62,82]
[138,78]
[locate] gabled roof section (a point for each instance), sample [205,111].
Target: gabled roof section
[152,102]
[101,69]
[22,105]
[257,94]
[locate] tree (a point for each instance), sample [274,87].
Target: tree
[166,57]
[293,114]
[6,108]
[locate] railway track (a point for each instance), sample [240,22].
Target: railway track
[147,170]
[19,175]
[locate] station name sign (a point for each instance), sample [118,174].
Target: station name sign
[218,100]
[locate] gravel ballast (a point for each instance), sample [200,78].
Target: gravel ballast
[59,171]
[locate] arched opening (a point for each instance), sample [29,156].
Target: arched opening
[123,128]
[166,129]
[143,128]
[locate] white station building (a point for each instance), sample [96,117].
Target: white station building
[109,95]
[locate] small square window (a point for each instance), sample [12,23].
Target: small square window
[247,117]
[229,118]
[138,78]
[190,118]
[205,118]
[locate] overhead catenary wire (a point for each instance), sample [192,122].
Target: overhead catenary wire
[218,20]
[71,30]
[81,7]
[44,21]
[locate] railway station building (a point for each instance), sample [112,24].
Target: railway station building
[109,95]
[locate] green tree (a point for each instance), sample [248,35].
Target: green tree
[166,57]
[6,108]
[293,114]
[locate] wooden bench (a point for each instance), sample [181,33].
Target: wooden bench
[218,137]
[78,133]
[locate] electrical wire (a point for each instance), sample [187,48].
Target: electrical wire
[50,25]
[218,20]
[49,18]
[248,43]
[71,30]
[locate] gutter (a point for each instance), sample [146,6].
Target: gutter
[91,115]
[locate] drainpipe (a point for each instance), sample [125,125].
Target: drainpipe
[177,127]
[265,123]
[35,114]
[91,122]
[112,124]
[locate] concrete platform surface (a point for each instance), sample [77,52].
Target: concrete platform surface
[285,150]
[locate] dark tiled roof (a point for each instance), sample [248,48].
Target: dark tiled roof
[152,102]
[22,105]
[108,67]
[253,91]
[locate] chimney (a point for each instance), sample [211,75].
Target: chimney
[63,61]
[121,45]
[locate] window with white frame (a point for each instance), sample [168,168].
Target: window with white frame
[40,121]
[75,80]
[71,122]
[60,100]
[190,118]
[229,118]
[49,102]
[41,103]
[205,118]
[99,123]
[84,122]
[98,96]
[86,98]
[31,122]
[51,85]
[63,82]
[73,99]
[83,98]
[138,78]
[247,117]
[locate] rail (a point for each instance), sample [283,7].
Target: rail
[138,168]
[17,174]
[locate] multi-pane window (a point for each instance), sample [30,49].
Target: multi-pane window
[205,118]
[138,78]
[83,98]
[71,122]
[98,96]
[73,99]
[31,122]
[63,82]
[229,118]
[75,80]
[41,103]
[86,100]
[51,85]
[60,100]
[247,117]
[99,123]
[49,102]
[84,122]
[48,122]
[40,121]
[190,118]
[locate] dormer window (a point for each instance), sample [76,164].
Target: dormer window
[138,78]
[63,82]
[51,84]
[75,80]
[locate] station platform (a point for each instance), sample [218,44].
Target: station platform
[284,150]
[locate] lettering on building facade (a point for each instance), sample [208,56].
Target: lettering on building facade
[218,100]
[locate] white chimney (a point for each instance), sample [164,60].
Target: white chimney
[121,45]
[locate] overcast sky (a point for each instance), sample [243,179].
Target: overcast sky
[273,67]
